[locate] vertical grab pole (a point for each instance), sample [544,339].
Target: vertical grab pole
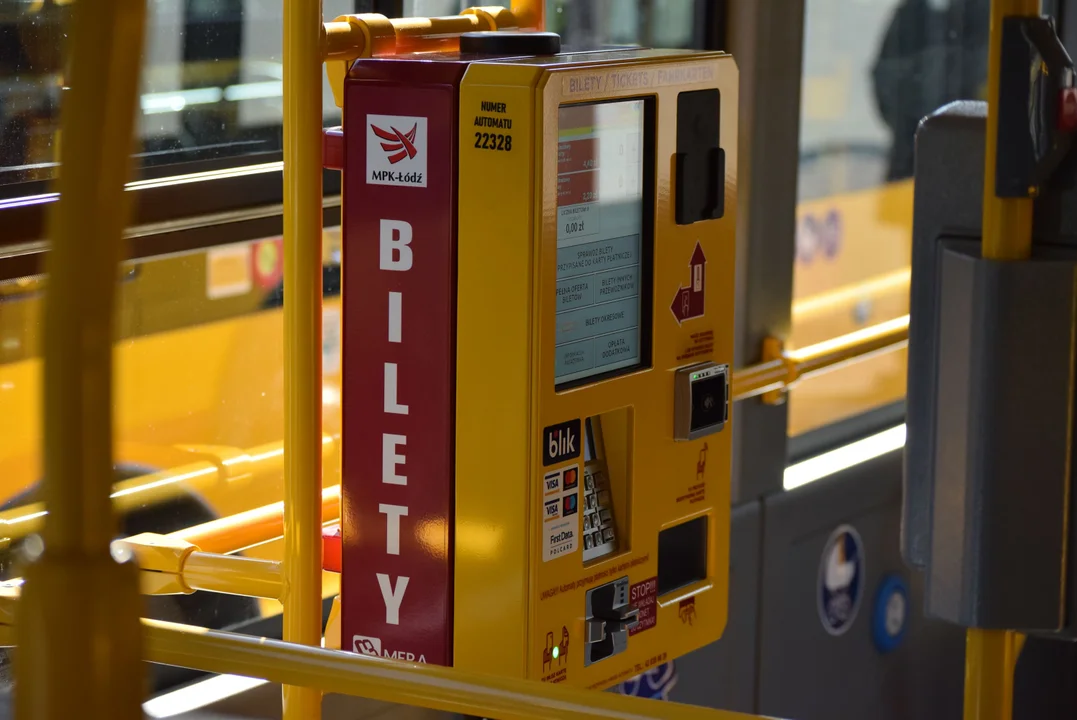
[302,597]
[1007,222]
[991,655]
[78,631]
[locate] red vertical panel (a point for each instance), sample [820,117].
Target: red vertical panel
[399,180]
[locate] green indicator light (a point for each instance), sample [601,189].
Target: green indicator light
[694,377]
[556,651]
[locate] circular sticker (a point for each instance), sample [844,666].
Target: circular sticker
[654,684]
[268,262]
[841,580]
[831,235]
[890,614]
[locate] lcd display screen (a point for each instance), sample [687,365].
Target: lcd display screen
[601,264]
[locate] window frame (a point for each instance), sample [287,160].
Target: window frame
[219,207]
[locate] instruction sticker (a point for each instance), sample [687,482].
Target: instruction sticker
[644,595]
[841,580]
[690,302]
[560,512]
[228,271]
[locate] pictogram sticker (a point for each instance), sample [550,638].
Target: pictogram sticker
[554,657]
[841,580]
[686,610]
[689,302]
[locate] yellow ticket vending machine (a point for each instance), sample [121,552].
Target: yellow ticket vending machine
[543,306]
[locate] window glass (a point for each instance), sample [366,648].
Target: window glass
[211,71]
[872,70]
[199,374]
[591,23]
[210,86]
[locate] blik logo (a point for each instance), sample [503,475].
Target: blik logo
[396,150]
[366,645]
[561,442]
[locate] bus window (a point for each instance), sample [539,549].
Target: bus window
[872,70]
[211,83]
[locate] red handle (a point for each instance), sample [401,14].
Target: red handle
[332,541]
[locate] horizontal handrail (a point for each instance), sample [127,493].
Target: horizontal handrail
[783,372]
[428,686]
[171,566]
[228,466]
[259,525]
[252,527]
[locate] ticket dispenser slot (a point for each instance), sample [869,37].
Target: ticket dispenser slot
[608,618]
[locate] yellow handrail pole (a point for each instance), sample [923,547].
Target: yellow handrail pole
[78,629]
[530,13]
[991,655]
[1007,222]
[302,595]
[780,373]
[430,686]
[233,574]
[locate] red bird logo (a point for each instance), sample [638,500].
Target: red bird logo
[401,145]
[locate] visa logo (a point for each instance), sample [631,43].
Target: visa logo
[553,482]
[551,508]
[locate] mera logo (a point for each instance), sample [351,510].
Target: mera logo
[366,645]
[396,150]
[372,646]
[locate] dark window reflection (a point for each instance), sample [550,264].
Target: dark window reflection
[933,52]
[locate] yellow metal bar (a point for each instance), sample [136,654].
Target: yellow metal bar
[1007,222]
[302,597]
[81,645]
[991,655]
[781,373]
[530,13]
[350,37]
[990,659]
[425,34]
[172,566]
[258,463]
[232,574]
[439,688]
[253,527]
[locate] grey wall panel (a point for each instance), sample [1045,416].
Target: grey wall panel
[722,674]
[766,38]
[806,673]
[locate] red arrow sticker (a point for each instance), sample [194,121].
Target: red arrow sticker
[688,302]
